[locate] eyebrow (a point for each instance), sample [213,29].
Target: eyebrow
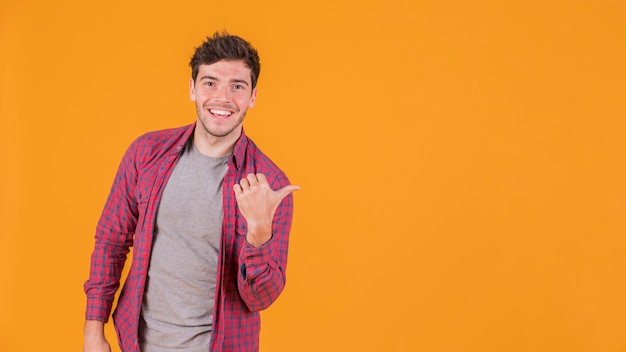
[232,80]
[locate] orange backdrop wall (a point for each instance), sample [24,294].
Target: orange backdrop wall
[462,163]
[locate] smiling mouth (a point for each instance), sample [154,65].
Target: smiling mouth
[220,113]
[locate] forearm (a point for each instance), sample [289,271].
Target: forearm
[107,263]
[114,237]
[261,276]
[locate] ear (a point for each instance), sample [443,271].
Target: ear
[192,90]
[252,99]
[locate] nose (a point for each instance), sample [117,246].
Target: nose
[222,93]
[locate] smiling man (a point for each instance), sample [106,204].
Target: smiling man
[208,215]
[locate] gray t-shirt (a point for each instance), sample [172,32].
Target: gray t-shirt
[177,310]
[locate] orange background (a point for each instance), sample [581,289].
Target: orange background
[461,163]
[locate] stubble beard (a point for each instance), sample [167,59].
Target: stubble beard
[214,133]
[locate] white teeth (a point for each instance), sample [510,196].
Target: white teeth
[220,112]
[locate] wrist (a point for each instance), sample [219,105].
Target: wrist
[258,236]
[94,330]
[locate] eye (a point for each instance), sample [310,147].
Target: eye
[238,86]
[209,84]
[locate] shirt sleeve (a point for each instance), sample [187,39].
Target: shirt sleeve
[113,239]
[261,276]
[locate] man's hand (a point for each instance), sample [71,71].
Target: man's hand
[257,203]
[94,337]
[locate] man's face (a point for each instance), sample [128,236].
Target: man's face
[223,93]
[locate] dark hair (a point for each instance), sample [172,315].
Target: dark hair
[223,46]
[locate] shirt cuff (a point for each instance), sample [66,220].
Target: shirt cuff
[97,309]
[255,259]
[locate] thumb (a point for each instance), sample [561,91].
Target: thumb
[283,192]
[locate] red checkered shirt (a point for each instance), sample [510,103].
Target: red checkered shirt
[248,279]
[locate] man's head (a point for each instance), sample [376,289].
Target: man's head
[225,69]
[223,46]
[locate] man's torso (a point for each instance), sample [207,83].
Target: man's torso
[177,309]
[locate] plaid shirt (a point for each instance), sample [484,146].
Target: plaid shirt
[248,279]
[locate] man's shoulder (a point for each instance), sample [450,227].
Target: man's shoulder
[160,136]
[161,141]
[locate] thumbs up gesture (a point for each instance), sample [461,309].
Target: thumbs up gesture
[257,203]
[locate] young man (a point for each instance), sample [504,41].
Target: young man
[208,215]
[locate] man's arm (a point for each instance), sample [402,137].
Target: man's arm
[263,259]
[114,237]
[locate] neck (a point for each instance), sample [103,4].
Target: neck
[214,146]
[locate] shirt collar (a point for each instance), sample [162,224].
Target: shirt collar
[239,151]
[188,132]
